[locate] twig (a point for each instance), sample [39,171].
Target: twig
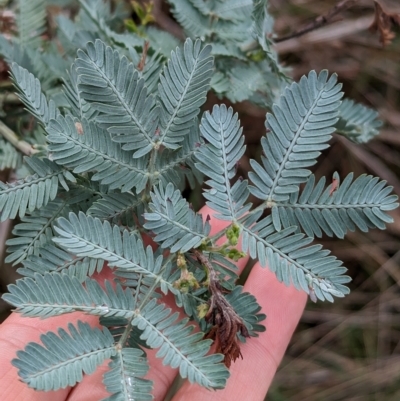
[320,20]
[335,31]
[142,61]
[165,22]
[25,147]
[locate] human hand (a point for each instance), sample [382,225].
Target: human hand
[250,377]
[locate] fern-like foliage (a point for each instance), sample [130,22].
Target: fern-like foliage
[64,358]
[300,128]
[306,267]
[248,309]
[30,93]
[162,41]
[173,221]
[34,232]
[178,347]
[113,87]
[117,207]
[30,296]
[183,87]
[34,191]
[357,122]
[52,258]
[195,23]
[125,380]
[125,105]
[127,134]
[31,22]
[361,203]
[10,158]
[177,165]
[83,147]
[238,31]
[218,161]
[243,82]
[87,236]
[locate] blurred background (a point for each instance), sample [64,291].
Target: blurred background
[349,350]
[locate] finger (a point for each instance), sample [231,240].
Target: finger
[252,376]
[91,387]
[15,333]
[163,376]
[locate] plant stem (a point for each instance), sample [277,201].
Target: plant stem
[320,20]
[221,233]
[156,282]
[18,143]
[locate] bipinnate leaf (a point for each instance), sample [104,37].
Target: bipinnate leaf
[183,87]
[85,147]
[34,191]
[52,258]
[31,22]
[128,137]
[113,87]
[87,236]
[34,231]
[54,294]
[297,131]
[357,122]
[361,203]
[125,380]
[175,224]
[179,348]
[63,359]
[218,160]
[288,255]
[30,93]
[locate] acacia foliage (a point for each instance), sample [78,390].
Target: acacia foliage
[118,150]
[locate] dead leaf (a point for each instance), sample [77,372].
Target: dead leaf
[383,24]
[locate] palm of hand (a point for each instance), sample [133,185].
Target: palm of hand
[250,377]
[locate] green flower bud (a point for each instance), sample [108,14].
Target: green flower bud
[202,310]
[232,234]
[235,254]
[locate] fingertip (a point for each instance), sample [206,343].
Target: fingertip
[15,333]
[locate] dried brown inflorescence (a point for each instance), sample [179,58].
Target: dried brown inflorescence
[226,323]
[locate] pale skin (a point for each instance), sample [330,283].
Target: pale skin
[250,376]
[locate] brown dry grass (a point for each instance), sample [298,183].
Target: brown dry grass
[350,350]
